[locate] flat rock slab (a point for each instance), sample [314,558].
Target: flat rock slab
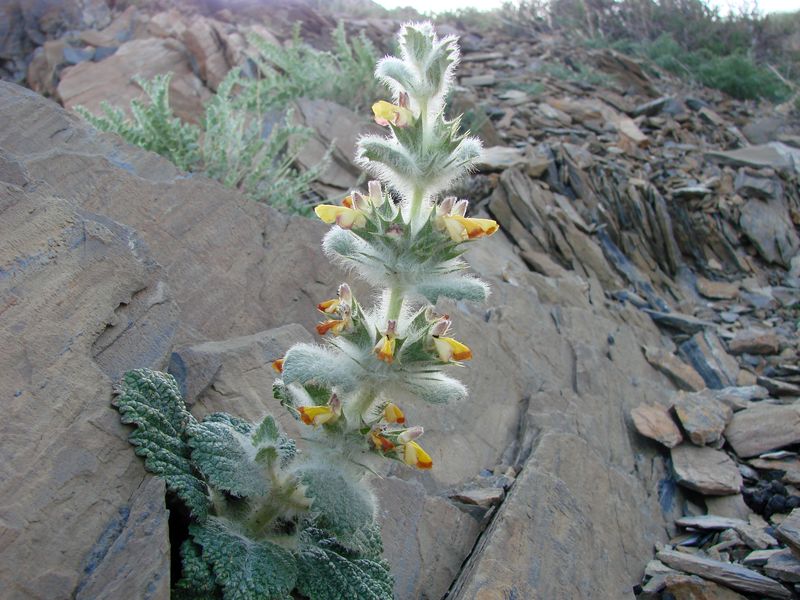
[90,83]
[705,353]
[728,574]
[754,341]
[717,290]
[681,374]
[764,427]
[783,565]
[789,531]
[702,417]
[656,423]
[705,470]
[692,587]
[710,522]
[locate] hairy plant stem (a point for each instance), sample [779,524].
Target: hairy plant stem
[395,302]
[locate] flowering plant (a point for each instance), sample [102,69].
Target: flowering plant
[268,521]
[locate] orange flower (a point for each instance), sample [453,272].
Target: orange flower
[451,218]
[385,346]
[449,349]
[343,306]
[415,456]
[278,365]
[393,414]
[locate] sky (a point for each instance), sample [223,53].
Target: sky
[766,6]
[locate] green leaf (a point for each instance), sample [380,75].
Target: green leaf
[329,571]
[150,400]
[222,450]
[198,580]
[341,503]
[244,568]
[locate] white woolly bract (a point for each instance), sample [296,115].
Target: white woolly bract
[425,67]
[427,281]
[436,388]
[308,363]
[392,163]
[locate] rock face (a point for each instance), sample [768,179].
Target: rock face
[195,272]
[90,83]
[71,491]
[764,427]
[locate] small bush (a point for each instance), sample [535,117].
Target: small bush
[297,70]
[154,126]
[232,145]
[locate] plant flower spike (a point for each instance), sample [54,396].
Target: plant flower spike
[268,521]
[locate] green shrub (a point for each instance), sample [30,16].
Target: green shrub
[230,145]
[154,126]
[236,152]
[297,70]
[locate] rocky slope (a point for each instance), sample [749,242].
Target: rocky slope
[636,366]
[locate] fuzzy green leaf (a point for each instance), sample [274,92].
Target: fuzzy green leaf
[341,504]
[244,568]
[198,581]
[329,571]
[224,453]
[150,400]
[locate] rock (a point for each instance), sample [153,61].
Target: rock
[70,483]
[754,341]
[774,155]
[681,374]
[412,524]
[789,531]
[790,467]
[770,228]
[336,126]
[691,587]
[758,558]
[750,186]
[702,417]
[499,158]
[478,80]
[140,532]
[483,497]
[205,41]
[89,84]
[655,423]
[74,56]
[731,506]
[778,387]
[705,470]
[479,57]
[783,565]
[717,290]
[738,398]
[705,353]
[763,427]
[728,574]
[754,533]
[651,108]
[710,522]
[678,321]
[514,97]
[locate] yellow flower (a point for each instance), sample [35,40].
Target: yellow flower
[318,415]
[415,456]
[343,306]
[449,349]
[380,442]
[278,365]
[386,113]
[344,216]
[451,217]
[393,414]
[385,346]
